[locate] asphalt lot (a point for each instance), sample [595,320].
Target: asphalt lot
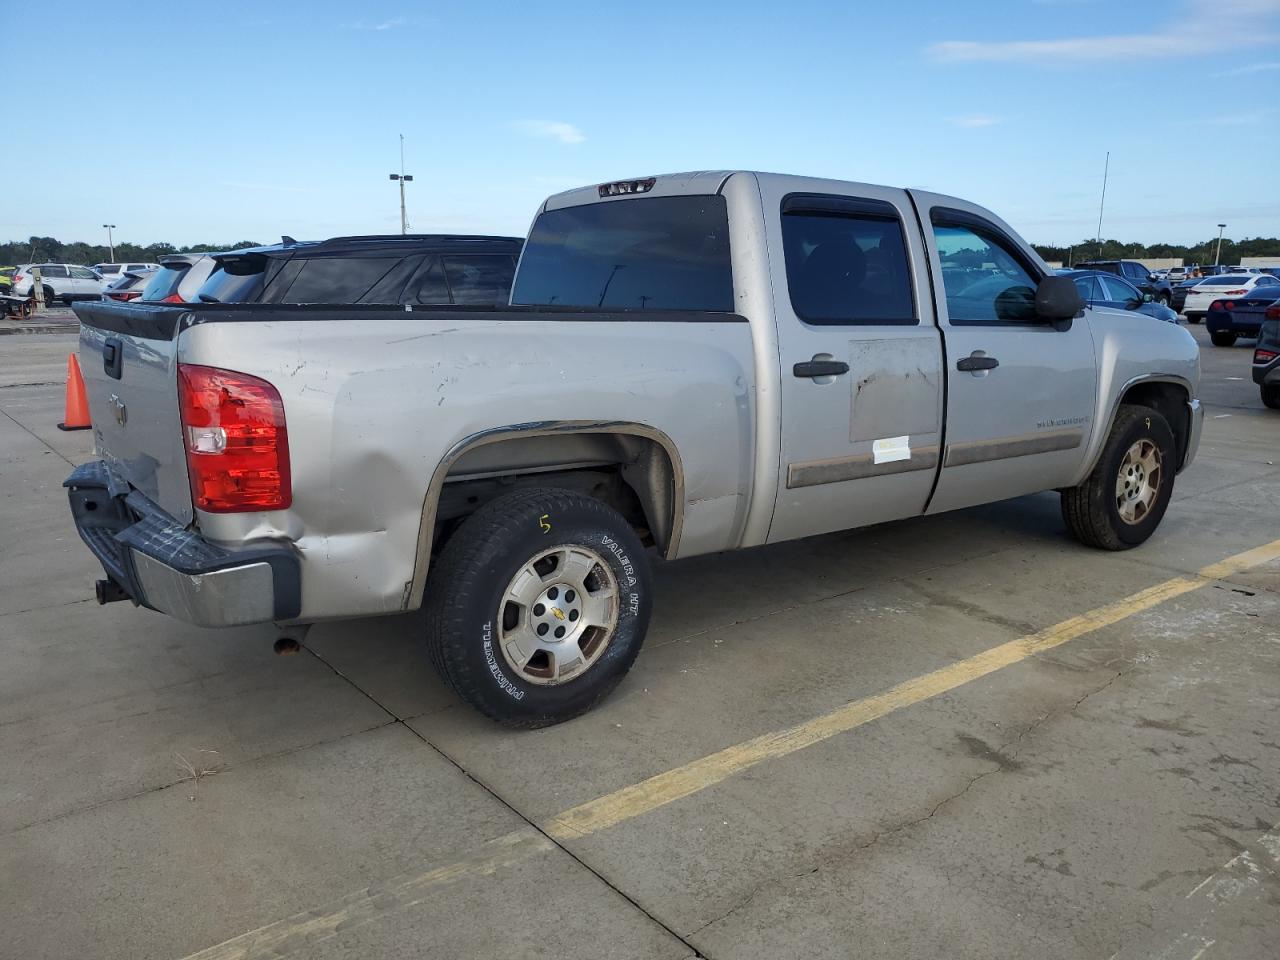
[962,736]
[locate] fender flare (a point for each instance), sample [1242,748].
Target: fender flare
[426,525]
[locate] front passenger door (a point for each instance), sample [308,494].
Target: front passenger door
[1020,393]
[84,282]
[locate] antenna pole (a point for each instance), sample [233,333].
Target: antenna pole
[1102,205]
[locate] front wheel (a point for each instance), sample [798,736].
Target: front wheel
[1271,395]
[538,606]
[1163,300]
[1222,338]
[1120,504]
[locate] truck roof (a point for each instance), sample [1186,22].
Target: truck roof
[675,184]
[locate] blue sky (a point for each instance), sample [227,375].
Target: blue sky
[220,122]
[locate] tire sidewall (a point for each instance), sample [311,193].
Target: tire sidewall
[502,692]
[1147,425]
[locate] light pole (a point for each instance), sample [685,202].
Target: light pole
[403,178]
[1217,257]
[111,247]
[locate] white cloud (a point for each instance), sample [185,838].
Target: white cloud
[975,120]
[1199,29]
[1250,68]
[383,25]
[554,129]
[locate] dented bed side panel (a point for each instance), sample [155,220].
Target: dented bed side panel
[374,404]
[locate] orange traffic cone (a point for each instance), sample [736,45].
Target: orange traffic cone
[77,404]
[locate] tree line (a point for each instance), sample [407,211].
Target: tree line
[50,250]
[1201,253]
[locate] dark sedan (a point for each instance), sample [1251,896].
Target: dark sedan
[1179,299]
[1107,290]
[1266,362]
[1241,316]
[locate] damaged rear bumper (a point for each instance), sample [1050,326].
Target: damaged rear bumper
[160,564]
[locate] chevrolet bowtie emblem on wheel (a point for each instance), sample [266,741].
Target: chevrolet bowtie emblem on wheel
[557,613]
[118,409]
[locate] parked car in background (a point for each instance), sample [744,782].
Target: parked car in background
[179,278]
[1224,287]
[1100,289]
[61,281]
[1137,274]
[113,271]
[1180,289]
[1188,271]
[1266,361]
[129,286]
[652,384]
[6,278]
[1231,318]
[428,268]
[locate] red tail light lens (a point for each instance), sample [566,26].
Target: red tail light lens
[1264,356]
[1235,293]
[1273,312]
[1219,306]
[237,448]
[172,298]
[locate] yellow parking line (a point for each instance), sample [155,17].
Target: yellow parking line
[293,933]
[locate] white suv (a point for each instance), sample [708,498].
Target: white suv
[61,281]
[114,271]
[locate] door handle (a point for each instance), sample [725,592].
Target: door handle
[112,357]
[976,361]
[820,368]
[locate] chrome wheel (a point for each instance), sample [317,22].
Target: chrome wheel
[1138,482]
[558,614]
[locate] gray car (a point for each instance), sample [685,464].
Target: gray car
[179,278]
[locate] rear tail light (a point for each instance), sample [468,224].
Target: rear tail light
[1273,312]
[1219,306]
[237,447]
[172,298]
[1264,356]
[1235,293]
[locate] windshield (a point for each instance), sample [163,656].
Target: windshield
[236,280]
[656,253]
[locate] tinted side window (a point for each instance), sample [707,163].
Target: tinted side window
[53,270]
[479,279]
[1118,291]
[337,279]
[984,280]
[83,273]
[845,269]
[1135,271]
[236,280]
[1088,288]
[638,253]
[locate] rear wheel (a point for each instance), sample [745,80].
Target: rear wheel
[1271,395]
[1163,299]
[1120,504]
[537,606]
[1223,338]
[49,297]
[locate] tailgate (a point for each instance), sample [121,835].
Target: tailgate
[128,355]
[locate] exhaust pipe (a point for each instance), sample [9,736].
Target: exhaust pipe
[108,591]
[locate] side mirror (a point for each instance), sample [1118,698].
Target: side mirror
[1147,298]
[1058,301]
[1152,277]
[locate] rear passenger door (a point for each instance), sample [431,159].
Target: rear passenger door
[860,356]
[1020,393]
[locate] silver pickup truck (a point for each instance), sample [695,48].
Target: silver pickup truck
[691,363]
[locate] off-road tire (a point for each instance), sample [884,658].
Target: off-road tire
[1090,509]
[1270,395]
[1221,338]
[468,581]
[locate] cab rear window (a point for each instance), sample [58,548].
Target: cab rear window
[652,253]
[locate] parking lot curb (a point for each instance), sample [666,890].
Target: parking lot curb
[36,328]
